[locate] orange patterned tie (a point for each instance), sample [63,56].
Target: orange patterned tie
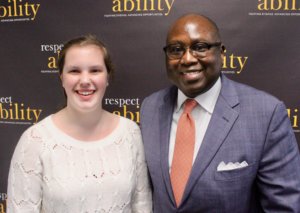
[183,151]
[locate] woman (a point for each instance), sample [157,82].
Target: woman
[82,158]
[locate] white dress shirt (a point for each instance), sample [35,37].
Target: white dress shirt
[201,113]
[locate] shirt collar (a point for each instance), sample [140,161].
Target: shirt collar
[206,100]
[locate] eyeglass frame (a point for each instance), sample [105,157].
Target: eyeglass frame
[193,52]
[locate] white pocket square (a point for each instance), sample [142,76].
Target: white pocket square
[231,166]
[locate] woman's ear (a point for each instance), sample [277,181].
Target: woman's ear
[61,80]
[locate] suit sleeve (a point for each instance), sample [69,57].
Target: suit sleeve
[279,169]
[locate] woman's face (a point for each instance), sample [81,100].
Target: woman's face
[84,77]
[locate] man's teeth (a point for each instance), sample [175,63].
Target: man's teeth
[190,72]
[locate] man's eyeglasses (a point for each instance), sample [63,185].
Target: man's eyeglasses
[198,50]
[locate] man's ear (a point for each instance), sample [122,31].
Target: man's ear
[223,48]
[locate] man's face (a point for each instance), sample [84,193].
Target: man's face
[192,74]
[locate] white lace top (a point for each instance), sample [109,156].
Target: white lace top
[52,172]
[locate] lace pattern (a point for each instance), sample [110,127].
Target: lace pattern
[52,173]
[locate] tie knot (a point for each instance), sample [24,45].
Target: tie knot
[189,105]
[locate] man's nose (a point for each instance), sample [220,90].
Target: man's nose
[188,57]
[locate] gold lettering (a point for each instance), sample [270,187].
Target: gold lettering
[142,5]
[22,112]
[126,113]
[117,7]
[52,61]
[4,11]
[34,10]
[36,113]
[3,112]
[28,114]
[295,119]
[2,208]
[9,10]
[21,10]
[159,5]
[17,111]
[242,62]
[293,115]
[279,5]
[17,9]
[26,9]
[234,62]
[294,5]
[131,5]
[152,5]
[169,6]
[145,5]
[134,116]
[138,5]
[11,111]
[117,113]
[263,5]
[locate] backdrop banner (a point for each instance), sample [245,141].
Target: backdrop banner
[261,37]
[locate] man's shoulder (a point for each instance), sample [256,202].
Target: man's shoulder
[162,99]
[162,92]
[160,95]
[247,92]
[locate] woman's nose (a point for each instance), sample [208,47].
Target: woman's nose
[85,78]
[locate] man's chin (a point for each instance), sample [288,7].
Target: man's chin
[192,91]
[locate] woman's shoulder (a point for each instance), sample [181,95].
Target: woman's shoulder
[32,140]
[36,131]
[130,131]
[129,124]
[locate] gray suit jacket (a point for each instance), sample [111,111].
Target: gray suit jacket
[246,125]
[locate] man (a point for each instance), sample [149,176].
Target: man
[240,154]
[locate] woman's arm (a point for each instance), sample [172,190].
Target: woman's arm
[25,175]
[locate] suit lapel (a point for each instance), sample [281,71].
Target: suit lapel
[222,120]
[166,114]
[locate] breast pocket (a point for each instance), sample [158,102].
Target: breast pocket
[235,174]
